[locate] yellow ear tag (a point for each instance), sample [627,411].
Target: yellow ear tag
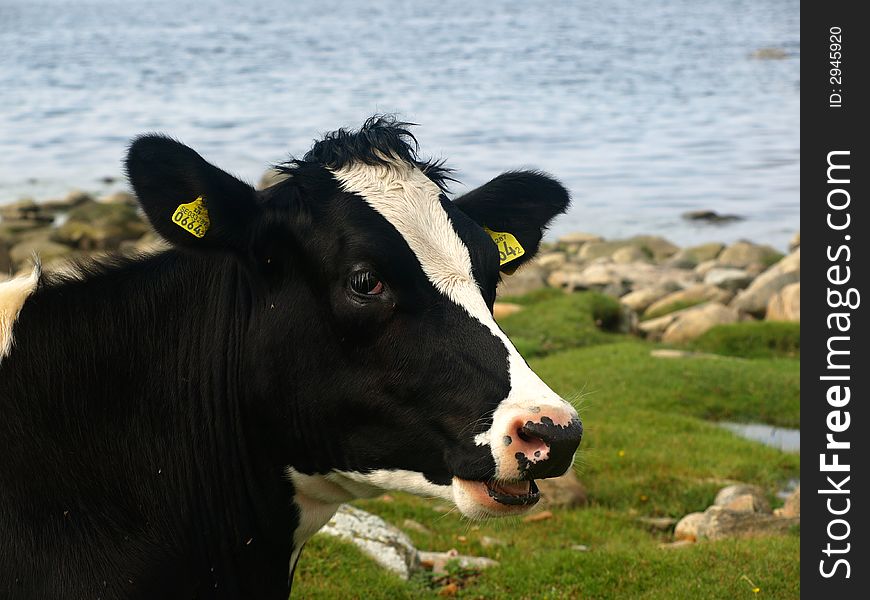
[508,247]
[192,217]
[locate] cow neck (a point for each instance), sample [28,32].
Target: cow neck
[145,369]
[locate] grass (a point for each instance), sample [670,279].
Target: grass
[649,450]
[754,339]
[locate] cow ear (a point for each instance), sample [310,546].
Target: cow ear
[515,209]
[189,201]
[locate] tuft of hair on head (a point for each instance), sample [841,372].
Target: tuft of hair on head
[381,139]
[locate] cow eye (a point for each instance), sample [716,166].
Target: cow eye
[366,283]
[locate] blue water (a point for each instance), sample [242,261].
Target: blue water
[644,109]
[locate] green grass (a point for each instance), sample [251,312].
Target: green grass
[649,450]
[552,322]
[754,339]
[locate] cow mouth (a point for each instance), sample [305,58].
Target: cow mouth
[519,493]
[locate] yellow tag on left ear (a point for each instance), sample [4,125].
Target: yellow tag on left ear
[192,217]
[508,247]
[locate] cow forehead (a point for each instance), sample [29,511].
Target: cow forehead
[403,195]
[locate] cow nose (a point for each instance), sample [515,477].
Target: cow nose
[548,447]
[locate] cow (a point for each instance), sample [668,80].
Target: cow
[177,424]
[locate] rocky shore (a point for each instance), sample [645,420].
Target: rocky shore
[668,293]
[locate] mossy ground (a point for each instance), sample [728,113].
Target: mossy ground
[649,450]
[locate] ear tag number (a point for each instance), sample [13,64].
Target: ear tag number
[508,247]
[192,217]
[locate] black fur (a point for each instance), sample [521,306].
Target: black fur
[150,405]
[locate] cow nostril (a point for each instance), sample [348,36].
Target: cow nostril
[523,435]
[529,435]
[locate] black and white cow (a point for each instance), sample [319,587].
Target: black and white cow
[177,425]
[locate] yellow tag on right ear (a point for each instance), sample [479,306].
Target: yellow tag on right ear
[508,247]
[192,217]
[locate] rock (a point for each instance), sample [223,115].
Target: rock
[387,545]
[449,590]
[500,310]
[742,254]
[73,199]
[769,54]
[580,547]
[745,503]
[795,242]
[415,526]
[728,278]
[640,299]
[98,226]
[710,216]
[792,507]
[785,305]
[755,298]
[527,278]
[5,259]
[658,247]
[733,493]
[612,277]
[271,177]
[564,492]
[694,294]
[707,251]
[705,267]
[719,523]
[538,516]
[696,320]
[120,198]
[551,261]
[629,254]
[437,561]
[592,250]
[655,328]
[579,238]
[21,253]
[671,353]
[687,527]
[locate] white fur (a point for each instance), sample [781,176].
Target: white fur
[410,201]
[13,294]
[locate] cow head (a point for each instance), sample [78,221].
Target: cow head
[372,359]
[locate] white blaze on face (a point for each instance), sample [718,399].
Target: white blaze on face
[410,201]
[13,294]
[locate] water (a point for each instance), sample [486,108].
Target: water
[781,438]
[644,109]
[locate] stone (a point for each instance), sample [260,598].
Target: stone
[658,523]
[695,321]
[694,294]
[5,259]
[120,198]
[705,267]
[728,278]
[527,278]
[710,216]
[769,54]
[687,527]
[437,561]
[792,506]
[658,247]
[592,250]
[638,300]
[785,305]
[745,503]
[551,261]
[544,515]
[271,177]
[703,252]
[97,226]
[500,310]
[795,242]
[614,277]
[720,523]
[732,493]
[21,253]
[387,545]
[629,254]
[578,238]
[580,547]
[655,328]
[754,299]
[565,491]
[742,254]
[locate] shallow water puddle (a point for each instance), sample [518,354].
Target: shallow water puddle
[781,438]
